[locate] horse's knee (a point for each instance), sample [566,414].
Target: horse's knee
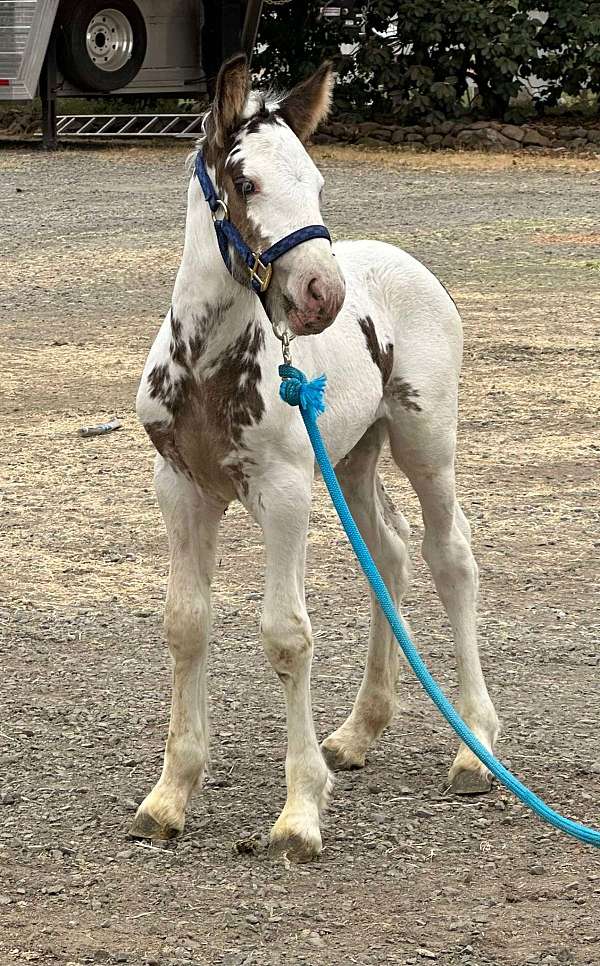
[287,643]
[187,626]
[450,558]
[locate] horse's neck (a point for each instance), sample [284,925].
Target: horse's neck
[209,305]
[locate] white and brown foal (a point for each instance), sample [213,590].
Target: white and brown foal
[209,401]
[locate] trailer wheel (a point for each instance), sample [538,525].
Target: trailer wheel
[102,43]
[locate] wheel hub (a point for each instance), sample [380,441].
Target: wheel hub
[109,39]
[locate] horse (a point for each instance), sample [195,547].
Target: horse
[388,335]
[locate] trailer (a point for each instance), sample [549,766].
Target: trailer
[95,48]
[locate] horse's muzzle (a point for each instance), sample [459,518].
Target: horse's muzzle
[319,304]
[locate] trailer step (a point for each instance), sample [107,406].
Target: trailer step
[129,125]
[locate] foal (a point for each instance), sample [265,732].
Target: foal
[209,402]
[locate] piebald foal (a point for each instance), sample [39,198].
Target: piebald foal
[209,401]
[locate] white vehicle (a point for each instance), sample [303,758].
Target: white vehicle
[66,48]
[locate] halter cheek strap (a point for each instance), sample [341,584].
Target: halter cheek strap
[258,264]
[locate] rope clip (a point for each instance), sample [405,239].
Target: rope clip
[281,332]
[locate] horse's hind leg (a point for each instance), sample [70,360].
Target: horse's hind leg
[425,452]
[386,533]
[192,524]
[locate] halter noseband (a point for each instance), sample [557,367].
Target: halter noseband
[258,264]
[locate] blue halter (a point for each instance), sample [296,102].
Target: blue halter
[258,264]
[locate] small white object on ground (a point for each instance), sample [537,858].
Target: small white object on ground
[101,428]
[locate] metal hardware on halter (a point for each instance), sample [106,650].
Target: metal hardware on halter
[285,337]
[255,272]
[223,206]
[258,264]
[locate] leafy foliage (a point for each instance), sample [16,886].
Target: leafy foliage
[422,59]
[568,55]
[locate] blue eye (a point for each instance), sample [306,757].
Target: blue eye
[244,187]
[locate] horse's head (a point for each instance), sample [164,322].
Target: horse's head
[255,145]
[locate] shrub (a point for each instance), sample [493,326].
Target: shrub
[422,59]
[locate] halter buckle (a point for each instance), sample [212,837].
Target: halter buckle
[257,268]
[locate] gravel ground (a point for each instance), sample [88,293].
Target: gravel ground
[408,874]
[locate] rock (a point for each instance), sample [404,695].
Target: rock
[445,127]
[323,139]
[367,127]
[449,141]
[398,135]
[182,953]
[413,136]
[369,142]
[536,869]
[513,131]
[578,143]
[434,139]
[532,137]
[486,137]
[594,136]
[5,900]
[383,133]
[54,890]
[338,130]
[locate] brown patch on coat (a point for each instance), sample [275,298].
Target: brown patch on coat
[177,348]
[209,415]
[402,391]
[382,357]
[162,386]
[164,441]
[225,176]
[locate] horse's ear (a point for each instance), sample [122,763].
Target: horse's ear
[309,102]
[233,87]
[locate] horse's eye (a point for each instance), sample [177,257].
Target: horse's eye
[244,187]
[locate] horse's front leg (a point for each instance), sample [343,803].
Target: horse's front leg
[287,639]
[192,522]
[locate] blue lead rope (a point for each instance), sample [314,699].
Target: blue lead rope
[309,396]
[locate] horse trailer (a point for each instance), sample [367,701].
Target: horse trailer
[94,48]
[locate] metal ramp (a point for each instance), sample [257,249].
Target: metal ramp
[129,125]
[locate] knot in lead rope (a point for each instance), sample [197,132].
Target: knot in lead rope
[296,390]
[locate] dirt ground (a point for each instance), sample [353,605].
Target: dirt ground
[408,875]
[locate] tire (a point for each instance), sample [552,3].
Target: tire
[87,57]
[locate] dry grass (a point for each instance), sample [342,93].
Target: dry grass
[457,160]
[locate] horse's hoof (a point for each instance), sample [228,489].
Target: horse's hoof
[339,758]
[146,827]
[295,848]
[467,782]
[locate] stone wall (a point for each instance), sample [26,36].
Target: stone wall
[486,135]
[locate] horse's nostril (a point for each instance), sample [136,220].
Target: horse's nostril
[315,291]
